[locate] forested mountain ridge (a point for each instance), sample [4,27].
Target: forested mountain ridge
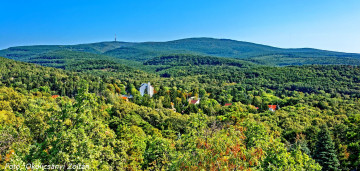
[140,52]
[79,115]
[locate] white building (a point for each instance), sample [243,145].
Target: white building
[146,88]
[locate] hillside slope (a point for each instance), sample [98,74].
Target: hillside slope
[140,52]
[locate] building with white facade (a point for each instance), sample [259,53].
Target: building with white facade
[146,88]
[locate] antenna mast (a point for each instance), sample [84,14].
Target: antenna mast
[115,37]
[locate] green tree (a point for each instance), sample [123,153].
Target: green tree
[325,153]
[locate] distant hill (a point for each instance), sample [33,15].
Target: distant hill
[135,53]
[189,60]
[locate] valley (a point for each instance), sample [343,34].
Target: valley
[213,104]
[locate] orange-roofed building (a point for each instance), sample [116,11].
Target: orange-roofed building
[272,108]
[228,104]
[55,96]
[126,97]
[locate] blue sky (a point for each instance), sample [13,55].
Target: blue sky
[323,24]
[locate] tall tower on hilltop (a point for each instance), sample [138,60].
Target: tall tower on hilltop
[115,37]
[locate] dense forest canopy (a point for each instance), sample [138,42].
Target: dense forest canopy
[186,60]
[210,110]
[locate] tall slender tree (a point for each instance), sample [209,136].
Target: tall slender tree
[325,153]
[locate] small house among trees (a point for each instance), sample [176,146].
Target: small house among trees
[228,104]
[194,100]
[272,107]
[55,96]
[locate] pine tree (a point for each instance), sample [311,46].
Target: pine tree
[325,153]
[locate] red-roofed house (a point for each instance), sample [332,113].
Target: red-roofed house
[228,104]
[55,96]
[192,100]
[272,108]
